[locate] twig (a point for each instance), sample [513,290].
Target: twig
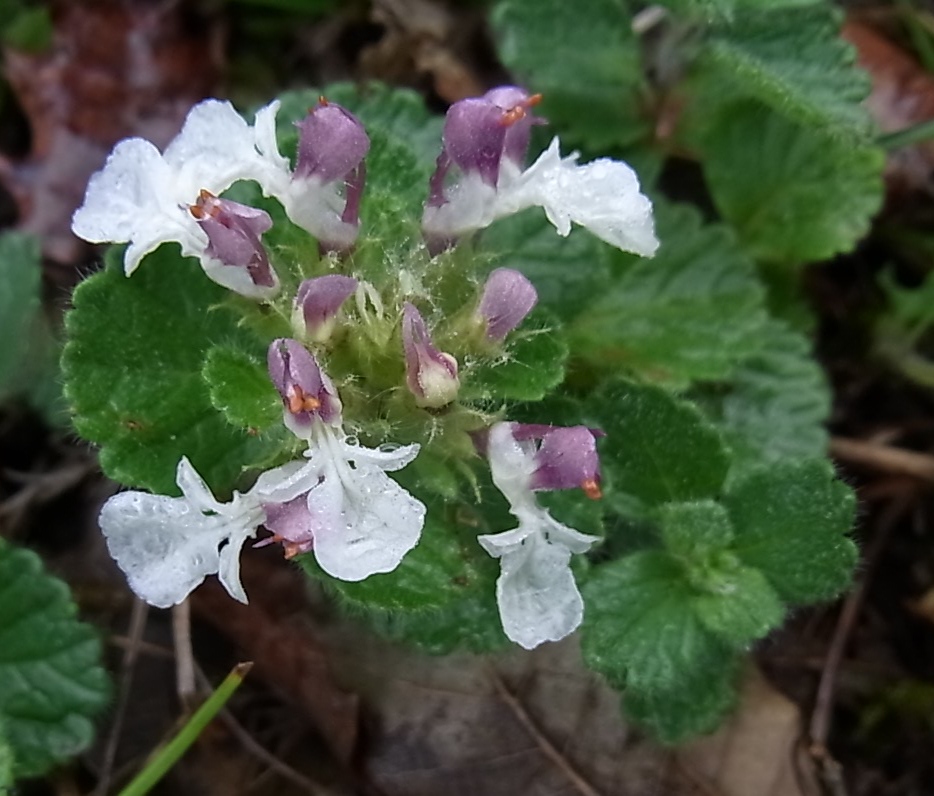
[823,702]
[41,487]
[547,747]
[884,457]
[138,615]
[184,656]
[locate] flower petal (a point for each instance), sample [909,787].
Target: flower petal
[365,527]
[385,459]
[229,569]
[536,593]
[164,545]
[194,489]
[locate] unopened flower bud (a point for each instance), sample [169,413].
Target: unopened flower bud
[507,298]
[317,304]
[306,391]
[430,374]
[235,257]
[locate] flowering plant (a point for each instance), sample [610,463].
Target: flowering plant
[324,334]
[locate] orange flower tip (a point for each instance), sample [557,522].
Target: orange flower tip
[592,489]
[513,115]
[533,100]
[291,549]
[322,100]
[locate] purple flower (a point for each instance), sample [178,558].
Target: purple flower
[507,298]
[317,303]
[329,176]
[307,393]
[290,525]
[430,374]
[235,257]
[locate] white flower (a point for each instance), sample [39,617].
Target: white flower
[537,596]
[357,520]
[166,546]
[602,196]
[142,197]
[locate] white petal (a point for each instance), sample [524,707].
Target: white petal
[512,465]
[387,460]
[238,279]
[134,198]
[471,205]
[264,131]
[364,527]
[285,483]
[536,593]
[602,196]
[164,545]
[317,209]
[229,569]
[194,489]
[214,149]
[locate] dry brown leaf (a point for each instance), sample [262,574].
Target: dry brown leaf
[288,652]
[756,753]
[902,96]
[116,68]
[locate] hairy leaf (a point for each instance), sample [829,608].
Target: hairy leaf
[693,311]
[51,680]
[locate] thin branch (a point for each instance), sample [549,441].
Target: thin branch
[184,656]
[819,728]
[138,616]
[547,747]
[883,457]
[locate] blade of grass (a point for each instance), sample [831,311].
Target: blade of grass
[168,755]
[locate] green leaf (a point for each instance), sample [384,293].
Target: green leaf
[530,366]
[584,59]
[696,707]
[567,272]
[733,601]
[20,275]
[51,680]
[692,312]
[132,371]
[658,448]
[240,388]
[791,521]
[775,404]
[794,61]
[6,764]
[649,629]
[793,194]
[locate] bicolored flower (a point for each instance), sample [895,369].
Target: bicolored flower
[430,374]
[354,518]
[317,304]
[508,296]
[166,546]
[323,194]
[537,596]
[486,138]
[145,198]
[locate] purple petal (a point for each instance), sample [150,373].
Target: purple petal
[474,136]
[319,299]
[290,523]
[331,143]
[507,298]
[234,232]
[307,393]
[430,374]
[567,459]
[516,102]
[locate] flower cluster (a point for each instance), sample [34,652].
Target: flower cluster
[335,501]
